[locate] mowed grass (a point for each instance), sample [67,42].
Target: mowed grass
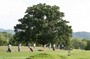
[46,54]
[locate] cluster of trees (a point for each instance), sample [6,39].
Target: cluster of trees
[78,43]
[5,38]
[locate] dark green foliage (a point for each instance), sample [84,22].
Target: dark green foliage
[43,24]
[88,45]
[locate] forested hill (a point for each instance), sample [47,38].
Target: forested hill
[8,31]
[81,35]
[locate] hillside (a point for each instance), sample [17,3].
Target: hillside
[8,31]
[81,35]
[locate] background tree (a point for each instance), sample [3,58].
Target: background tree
[5,38]
[43,24]
[88,43]
[78,43]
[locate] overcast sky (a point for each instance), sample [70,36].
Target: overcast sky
[77,12]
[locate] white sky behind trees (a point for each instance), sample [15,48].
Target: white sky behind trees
[77,12]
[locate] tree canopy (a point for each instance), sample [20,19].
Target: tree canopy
[43,24]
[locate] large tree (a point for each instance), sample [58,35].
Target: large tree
[43,24]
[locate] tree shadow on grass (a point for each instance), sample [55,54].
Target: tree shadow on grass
[41,56]
[62,57]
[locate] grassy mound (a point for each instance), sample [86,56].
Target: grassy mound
[46,56]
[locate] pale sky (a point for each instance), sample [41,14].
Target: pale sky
[77,12]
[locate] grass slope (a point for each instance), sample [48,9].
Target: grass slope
[46,54]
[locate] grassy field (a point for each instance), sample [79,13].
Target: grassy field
[46,54]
